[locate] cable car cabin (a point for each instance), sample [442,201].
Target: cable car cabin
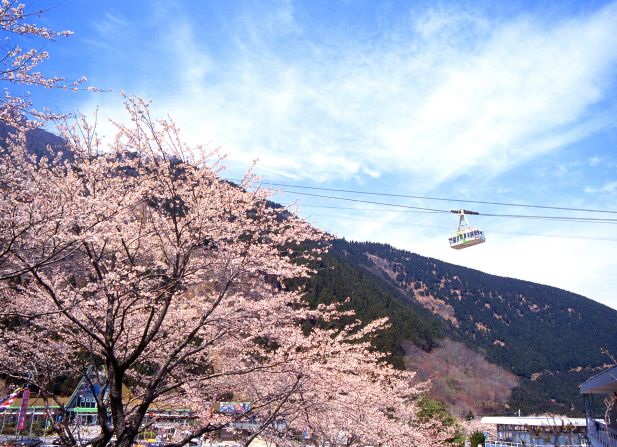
[465,235]
[468,238]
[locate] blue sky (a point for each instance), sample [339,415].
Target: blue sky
[495,101]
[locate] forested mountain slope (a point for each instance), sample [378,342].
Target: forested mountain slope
[549,338]
[38,140]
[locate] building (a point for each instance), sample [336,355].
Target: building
[600,396]
[164,422]
[39,416]
[81,411]
[531,431]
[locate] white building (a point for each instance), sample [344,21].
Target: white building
[534,431]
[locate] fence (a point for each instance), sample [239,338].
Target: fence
[600,435]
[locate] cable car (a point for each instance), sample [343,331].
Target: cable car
[466,235]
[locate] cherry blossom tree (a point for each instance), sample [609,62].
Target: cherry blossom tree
[136,266]
[19,65]
[350,397]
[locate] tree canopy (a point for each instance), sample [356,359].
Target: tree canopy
[135,265]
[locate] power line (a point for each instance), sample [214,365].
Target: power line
[443,199]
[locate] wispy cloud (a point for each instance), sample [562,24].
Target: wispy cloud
[112,23]
[609,188]
[424,101]
[451,92]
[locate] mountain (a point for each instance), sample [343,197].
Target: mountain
[491,344]
[37,140]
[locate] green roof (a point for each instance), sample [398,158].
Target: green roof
[83,410]
[38,402]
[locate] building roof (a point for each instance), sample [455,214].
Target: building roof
[602,383]
[39,402]
[535,421]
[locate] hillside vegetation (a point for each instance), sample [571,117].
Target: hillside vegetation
[462,378]
[550,339]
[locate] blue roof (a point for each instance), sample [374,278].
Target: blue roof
[602,383]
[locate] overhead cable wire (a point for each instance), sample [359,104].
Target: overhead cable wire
[509,233]
[559,218]
[348,199]
[521,216]
[382,210]
[443,199]
[379,210]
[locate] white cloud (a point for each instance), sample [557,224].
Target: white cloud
[430,106]
[458,93]
[442,24]
[112,23]
[609,188]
